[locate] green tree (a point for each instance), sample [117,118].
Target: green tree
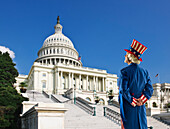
[10,100]
[23,84]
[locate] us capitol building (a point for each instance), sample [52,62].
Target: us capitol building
[59,70]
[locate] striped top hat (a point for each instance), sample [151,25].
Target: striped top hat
[137,49]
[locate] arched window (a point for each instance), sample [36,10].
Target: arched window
[101,101]
[54,51]
[154,104]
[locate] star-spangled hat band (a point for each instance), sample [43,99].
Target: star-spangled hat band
[137,49]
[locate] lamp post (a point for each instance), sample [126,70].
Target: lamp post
[96,98]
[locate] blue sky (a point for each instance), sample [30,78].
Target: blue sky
[100,31]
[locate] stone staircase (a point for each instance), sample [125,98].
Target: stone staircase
[38,97]
[60,98]
[76,118]
[156,124]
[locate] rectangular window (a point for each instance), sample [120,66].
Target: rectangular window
[44,75]
[44,84]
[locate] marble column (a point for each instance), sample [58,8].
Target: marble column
[69,81]
[94,83]
[61,80]
[72,80]
[57,85]
[103,84]
[106,84]
[55,61]
[79,81]
[97,84]
[87,83]
[51,61]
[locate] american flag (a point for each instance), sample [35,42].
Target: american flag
[79,58]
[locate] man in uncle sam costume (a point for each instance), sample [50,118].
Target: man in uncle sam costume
[135,89]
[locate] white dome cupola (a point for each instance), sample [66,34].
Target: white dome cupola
[58,48]
[58,27]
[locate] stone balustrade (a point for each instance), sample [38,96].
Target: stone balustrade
[43,116]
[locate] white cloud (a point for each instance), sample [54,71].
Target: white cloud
[5,49]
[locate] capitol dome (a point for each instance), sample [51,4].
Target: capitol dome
[58,48]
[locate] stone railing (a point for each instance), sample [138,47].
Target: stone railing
[55,99]
[114,103]
[112,115]
[69,93]
[45,94]
[85,106]
[164,119]
[43,116]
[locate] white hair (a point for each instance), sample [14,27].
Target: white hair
[132,58]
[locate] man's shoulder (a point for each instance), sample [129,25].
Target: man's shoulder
[142,69]
[132,68]
[125,69]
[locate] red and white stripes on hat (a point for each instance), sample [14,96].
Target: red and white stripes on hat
[138,46]
[137,49]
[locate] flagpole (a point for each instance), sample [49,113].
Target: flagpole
[159,78]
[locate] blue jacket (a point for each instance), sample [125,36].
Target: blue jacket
[134,82]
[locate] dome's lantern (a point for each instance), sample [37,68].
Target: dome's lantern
[58,27]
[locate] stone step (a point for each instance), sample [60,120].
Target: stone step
[76,118]
[61,98]
[156,124]
[37,97]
